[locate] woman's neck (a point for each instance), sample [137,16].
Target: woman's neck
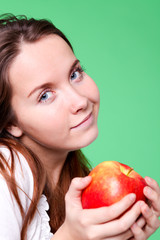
[52,159]
[53,165]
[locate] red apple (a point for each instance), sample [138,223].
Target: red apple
[111,181]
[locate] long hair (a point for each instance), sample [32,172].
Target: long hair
[14,30]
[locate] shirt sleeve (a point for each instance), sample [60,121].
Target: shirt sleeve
[10,215]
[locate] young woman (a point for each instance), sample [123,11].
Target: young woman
[49,109]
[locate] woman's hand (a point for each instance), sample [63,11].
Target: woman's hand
[152,192]
[150,214]
[107,223]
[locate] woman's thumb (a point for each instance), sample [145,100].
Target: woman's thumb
[76,187]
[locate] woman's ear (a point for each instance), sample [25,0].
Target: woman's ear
[14,131]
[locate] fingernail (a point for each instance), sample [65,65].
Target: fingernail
[87,178]
[132,197]
[148,191]
[141,203]
[148,179]
[134,226]
[147,209]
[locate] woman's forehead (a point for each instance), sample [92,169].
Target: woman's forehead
[50,47]
[43,59]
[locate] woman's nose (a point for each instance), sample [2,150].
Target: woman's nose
[77,101]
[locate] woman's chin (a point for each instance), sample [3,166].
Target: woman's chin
[87,140]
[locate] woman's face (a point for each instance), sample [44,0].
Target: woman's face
[55,102]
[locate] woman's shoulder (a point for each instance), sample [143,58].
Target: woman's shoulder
[13,163]
[17,163]
[39,228]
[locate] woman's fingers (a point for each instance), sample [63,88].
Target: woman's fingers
[73,196]
[120,225]
[141,222]
[154,199]
[137,232]
[152,192]
[124,236]
[152,223]
[153,184]
[105,214]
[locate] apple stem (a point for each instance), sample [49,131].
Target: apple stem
[129,171]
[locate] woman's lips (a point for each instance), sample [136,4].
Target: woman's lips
[86,122]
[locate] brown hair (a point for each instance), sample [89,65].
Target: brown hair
[13,31]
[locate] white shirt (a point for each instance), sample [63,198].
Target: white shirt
[10,216]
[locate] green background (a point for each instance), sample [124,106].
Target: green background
[118,43]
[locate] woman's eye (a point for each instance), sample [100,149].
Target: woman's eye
[46,96]
[77,74]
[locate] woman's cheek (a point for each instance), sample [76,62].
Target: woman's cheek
[94,92]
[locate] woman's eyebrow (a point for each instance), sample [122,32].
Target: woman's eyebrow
[73,66]
[44,85]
